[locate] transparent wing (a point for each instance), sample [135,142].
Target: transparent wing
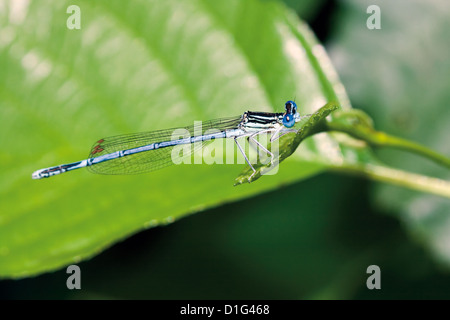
[153,159]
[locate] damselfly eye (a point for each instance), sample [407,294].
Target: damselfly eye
[288,120]
[291,107]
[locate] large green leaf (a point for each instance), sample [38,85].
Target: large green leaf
[134,67]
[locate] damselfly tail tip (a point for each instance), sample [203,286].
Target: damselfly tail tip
[36,174]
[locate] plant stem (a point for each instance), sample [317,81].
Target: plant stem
[398,177]
[381,139]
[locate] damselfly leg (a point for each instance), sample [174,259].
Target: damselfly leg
[245,156]
[277,135]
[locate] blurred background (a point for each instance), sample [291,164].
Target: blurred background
[313,239]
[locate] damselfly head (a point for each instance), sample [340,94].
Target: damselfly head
[291,115]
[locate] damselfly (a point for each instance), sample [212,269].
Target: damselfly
[149,151]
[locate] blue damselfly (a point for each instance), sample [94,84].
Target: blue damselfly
[149,151]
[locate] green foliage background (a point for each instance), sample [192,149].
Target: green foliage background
[140,67]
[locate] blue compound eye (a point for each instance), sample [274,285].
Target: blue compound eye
[288,120]
[291,107]
[289,116]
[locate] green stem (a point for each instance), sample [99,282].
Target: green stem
[398,177]
[381,139]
